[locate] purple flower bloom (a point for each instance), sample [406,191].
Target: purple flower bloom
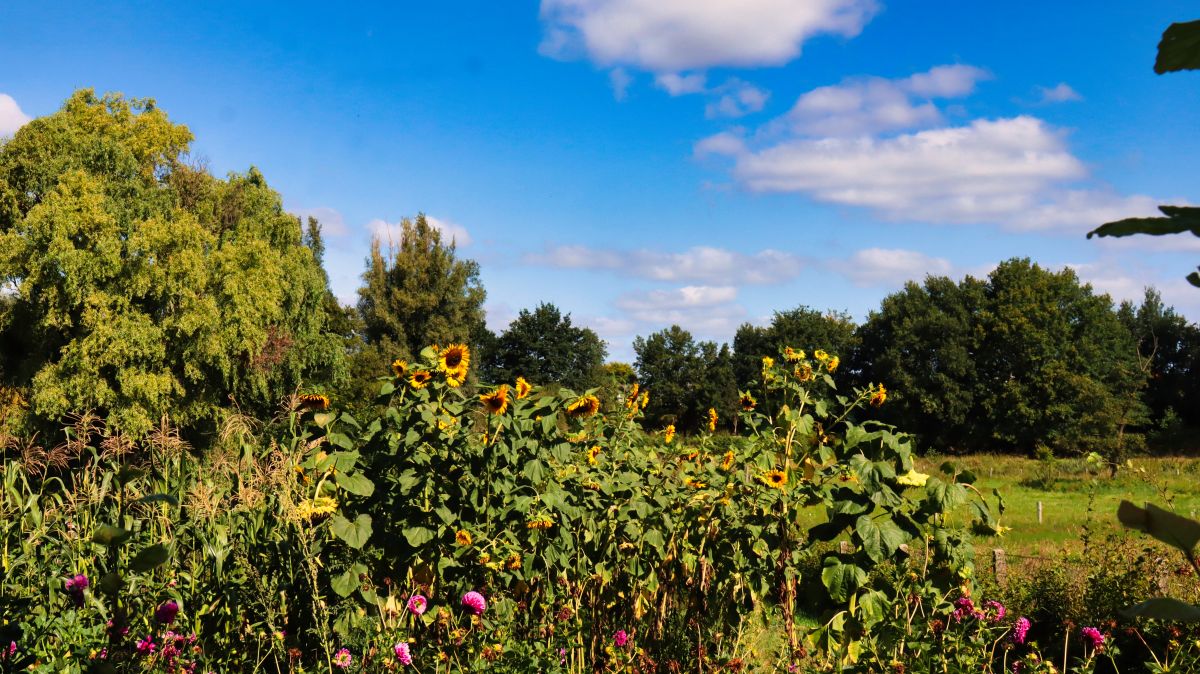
[10,651]
[343,658]
[1020,629]
[166,612]
[417,604]
[76,586]
[146,646]
[1093,635]
[995,611]
[621,638]
[403,653]
[474,602]
[562,656]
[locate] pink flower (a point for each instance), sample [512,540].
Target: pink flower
[10,651]
[1093,635]
[146,646]
[995,611]
[76,586]
[1020,630]
[965,608]
[166,612]
[343,658]
[417,604]
[403,653]
[621,638]
[474,602]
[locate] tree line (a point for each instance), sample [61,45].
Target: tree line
[139,286]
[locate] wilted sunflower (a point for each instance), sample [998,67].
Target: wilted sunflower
[669,433]
[820,355]
[462,537]
[694,483]
[645,399]
[540,522]
[748,402]
[712,420]
[878,396]
[833,363]
[803,372]
[792,356]
[496,402]
[592,455]
[400,367]
[584,406]
[776,479]
[523,388]
[631,400]
[454,361]
[727,460]
[419,378]
[312,401]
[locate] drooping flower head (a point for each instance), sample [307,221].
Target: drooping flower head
[727,460]
[878,396]
[593,455]
[462,537]
[820,355]
[792,356]
[631,400]
[522,388]
[403,653]
[342,658]
[166,612]
[312,401]
[833,363]
[583,406]
[496,402]
[712,419]
[474,602]
[620,638]
[1092,636]
[417,604]
[994,611]
[1020,630]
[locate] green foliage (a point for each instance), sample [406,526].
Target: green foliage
[831,331]
[1179,48]
[687,378]
[543,346]
[143,286]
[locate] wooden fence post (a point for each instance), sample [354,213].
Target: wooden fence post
[1039,512]
[1000,566]
[846,548]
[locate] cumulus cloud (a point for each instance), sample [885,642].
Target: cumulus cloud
[891,267]
[1060,93]
[701,264]
[391,231]
[677,84]
[866,105]
[736,98]
[11,116]
[1130,284]
[332,222]
[707,311]
[666,36]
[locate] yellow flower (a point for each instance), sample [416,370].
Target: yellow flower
[456,379]
[484,558]
[400,367]
[669,434]
[878,396]
[833,363]
[523,388]
[803,372]
[584,406]
[463,537]
[313,401]
[540,522]
[496,402]
[748,402]
[419,378]
[820,355]
[727,460]
[513,561]
[631,400]
[454,361]
[592,454]
[645,399]
[694,484]
[913,479]
[792,356]
[712,420]
[767,363]
[321,505]
[776,479]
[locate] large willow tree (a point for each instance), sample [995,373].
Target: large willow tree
[138,286]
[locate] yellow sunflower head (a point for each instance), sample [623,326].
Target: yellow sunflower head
[631,400]
[747,401]
[878,396]
[820,355]
[645,399]
[694,483]
[592,455]
[712,419]
[583,406]
[463,537]
[776,479]
[803,372]
[522,388]
[455,359]
[496,402]
[669,433]
[312,401]
[833,363]
[792,356]
[419,378]
[400,367]
[727,460]
[456,379]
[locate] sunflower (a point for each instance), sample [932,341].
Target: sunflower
[419,378]
[400,367]
[645,399]
[669,433]
[312,401]
[776,479]
[631,400]
[496,402]
[463,537]
[523,388]
[454,360]
[803,372]
[540,522]
[727,460]
[748,402]
[820,355]
[833,363]
[712,420]
[878,396]
[456,379]
[592,454]
[792,356]
[584,406]
[694,483]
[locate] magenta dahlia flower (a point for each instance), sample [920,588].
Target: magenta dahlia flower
[474,602]
[403,653]
[1020,630]
[417,604]
[166,612]
[1093,636]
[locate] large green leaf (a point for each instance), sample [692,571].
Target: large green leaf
[354,483]
[842,579]
[880,538]
[149,558]
[1164,608]
[1179,48]
[106,534]
[1166,526]
[418,536]
[355,533]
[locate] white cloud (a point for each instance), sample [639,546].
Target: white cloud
[736,98]
[891,267]
[1130,284]
[678,85]
[391,231]
[332,222]
[730,143]
[1083,209]
[687,296]
[11,116]
[865,105]
[620,81]
[701,264]
[1060,93]
[675,35]
[706,311]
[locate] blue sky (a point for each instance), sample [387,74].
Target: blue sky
[647,162]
